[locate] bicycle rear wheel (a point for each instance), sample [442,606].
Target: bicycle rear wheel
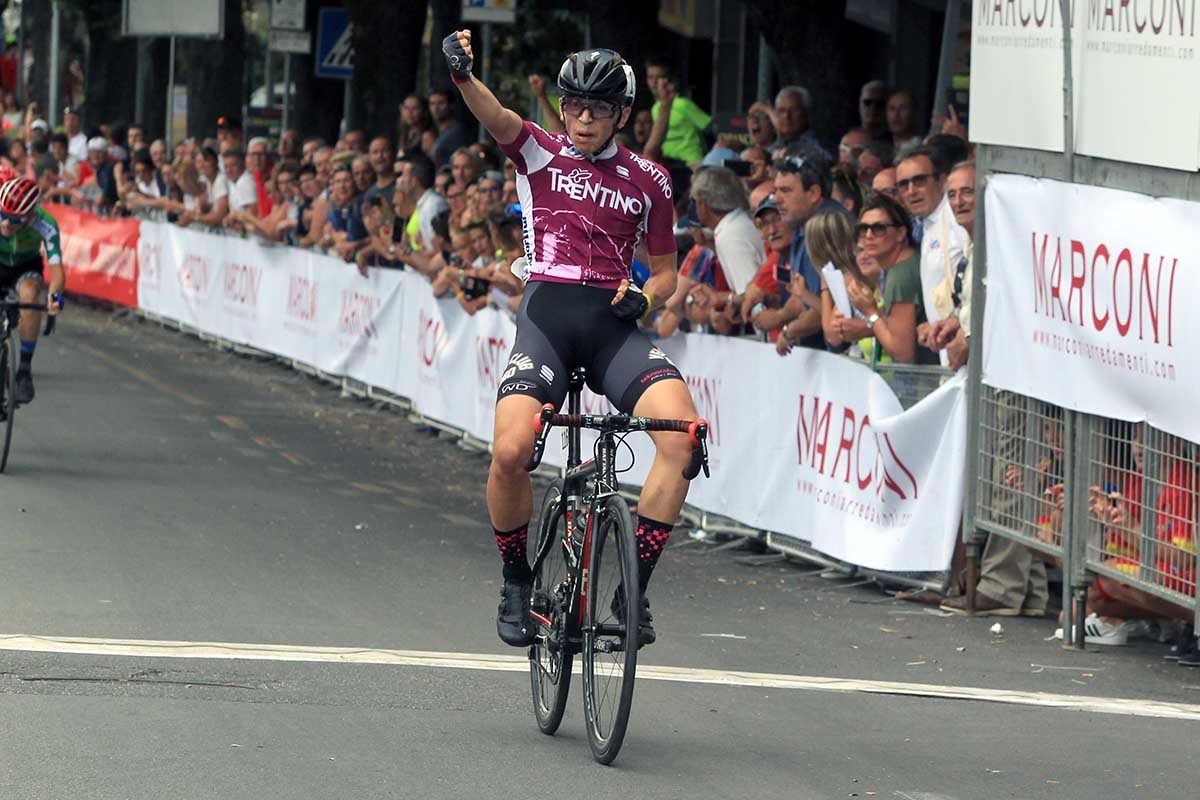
[10,355]
[610,630]
[550,656]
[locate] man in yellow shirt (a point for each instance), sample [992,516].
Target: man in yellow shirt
[680,134]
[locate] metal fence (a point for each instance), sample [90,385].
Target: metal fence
[1105,499]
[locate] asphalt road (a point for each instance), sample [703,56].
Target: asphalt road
[162,491]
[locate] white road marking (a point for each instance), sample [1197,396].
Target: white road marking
[144,648]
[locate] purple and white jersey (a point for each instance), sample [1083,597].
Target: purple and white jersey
[582,218]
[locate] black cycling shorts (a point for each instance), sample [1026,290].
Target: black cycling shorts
[562,326]
[11,276]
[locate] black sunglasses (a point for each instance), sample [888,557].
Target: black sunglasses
[872,103]
[601,109]
[875,228]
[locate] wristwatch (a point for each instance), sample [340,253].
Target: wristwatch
[758,308]
[871,320]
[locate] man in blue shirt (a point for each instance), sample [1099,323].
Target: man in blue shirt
[802,188]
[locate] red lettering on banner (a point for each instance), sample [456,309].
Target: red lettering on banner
[150,262]
[1077,280]
[1114,290]
[302,298]
[706,393]
[489,360]
[358,313]
[193,275]
[1099,323]
[886,469]
[815,440]
[431,338]
[865,480]
[1125,258]
[845,444]
[242,282]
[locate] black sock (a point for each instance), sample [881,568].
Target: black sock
[651,540]
[512,553]
[27,349]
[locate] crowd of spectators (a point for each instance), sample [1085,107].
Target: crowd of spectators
[863,248]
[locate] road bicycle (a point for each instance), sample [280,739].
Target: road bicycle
[10,361]
[585,596]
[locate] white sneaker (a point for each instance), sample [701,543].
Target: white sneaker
[1097,631]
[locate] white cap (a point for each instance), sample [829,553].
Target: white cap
[39,125]
[97,143]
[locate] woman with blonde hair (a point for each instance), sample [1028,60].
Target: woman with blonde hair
[831,239]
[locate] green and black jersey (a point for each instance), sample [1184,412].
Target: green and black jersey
[26,244]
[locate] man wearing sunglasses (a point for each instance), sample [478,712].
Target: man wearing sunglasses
[921,185]
[587,205]
[25,230]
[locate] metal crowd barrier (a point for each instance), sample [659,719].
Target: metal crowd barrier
[910,382]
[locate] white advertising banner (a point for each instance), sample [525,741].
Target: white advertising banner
[1131,59]
[1085,301]
[814,446]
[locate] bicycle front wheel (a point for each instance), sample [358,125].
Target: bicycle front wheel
[10,355]
[610,629]
[550,656]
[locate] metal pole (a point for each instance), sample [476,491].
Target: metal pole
[139,82]
[55,67]
[269,79]
[1064,7]
[764,69]
[169,131]
[950,27]
[487,66]
[287,91]
[345,106]
[21,99]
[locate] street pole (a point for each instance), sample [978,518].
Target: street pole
[487,66]
[55,71]
[139,82]
[169,135]
[950,26]
[21,99]
[287,92]
[345,106]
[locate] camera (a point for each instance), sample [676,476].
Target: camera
[474,287]
[738,167]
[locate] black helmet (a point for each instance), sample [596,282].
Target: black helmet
[598,73]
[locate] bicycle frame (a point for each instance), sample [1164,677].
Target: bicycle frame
[601,471]
[575,500]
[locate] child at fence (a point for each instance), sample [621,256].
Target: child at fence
[1115,510]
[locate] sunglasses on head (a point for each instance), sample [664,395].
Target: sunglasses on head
[874,228]
[601,109]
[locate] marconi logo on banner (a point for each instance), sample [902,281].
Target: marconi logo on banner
[836,442]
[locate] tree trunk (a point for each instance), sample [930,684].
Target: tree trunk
[215,72]
[445,17]
[110,66]
[37,17]
[817,48]
[318,101]
[387,51]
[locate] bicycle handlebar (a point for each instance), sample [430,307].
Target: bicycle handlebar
[50,321]
[697,431]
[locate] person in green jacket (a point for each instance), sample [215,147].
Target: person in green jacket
[679,124]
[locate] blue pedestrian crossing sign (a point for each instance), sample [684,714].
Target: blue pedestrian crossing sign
[335,45]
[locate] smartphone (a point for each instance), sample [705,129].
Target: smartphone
[740,168]
[783,272]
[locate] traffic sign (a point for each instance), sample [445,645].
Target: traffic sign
[289,41]
[504,11]
[335,45]
[287,14]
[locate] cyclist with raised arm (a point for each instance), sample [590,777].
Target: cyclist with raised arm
[587,203]
[26,229]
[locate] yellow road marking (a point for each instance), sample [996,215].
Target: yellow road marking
[143,376]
